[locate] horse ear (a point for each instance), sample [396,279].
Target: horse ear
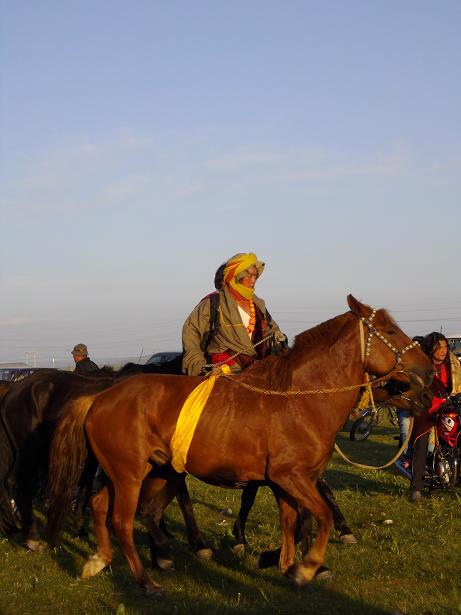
[357,308]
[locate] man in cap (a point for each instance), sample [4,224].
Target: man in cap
[83,364]
[231,320]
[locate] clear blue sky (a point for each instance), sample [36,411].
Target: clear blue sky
[144,142]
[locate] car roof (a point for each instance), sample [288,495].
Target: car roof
[13,373]
[167,356]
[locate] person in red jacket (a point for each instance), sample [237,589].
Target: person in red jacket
[447,381]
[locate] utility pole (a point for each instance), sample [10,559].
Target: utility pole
[31,358]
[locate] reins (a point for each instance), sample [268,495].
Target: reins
[343,389]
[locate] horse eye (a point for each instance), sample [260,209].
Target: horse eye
[391,332]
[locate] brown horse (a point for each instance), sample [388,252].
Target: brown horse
[284,438]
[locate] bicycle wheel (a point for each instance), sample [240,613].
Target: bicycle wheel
[362,428]
[392,415]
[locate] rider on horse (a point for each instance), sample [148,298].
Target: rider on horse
[231,320]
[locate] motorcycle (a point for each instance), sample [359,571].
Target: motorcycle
[445,465]
[443,468]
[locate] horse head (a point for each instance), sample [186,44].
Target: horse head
[388,351]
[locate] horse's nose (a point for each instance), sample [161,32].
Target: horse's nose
[426,398]
[430,373]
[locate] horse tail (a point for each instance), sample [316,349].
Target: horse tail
[8,521]
[68,453]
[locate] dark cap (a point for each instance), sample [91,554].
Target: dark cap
[80,349]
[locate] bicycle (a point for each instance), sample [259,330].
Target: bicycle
[368,418]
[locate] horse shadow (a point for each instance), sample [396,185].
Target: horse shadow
[231,580]
[229,585]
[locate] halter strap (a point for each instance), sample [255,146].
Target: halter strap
[372,331]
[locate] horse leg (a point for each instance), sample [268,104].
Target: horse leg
[125,504]
[304,529]
[155,497]
[270,558]
[246,503]
[157,493]
[288,521]
[305,492]
[303,535]
[303,532]
[196,540]
[8,517]
[27,487]
[99,504]
[84,493]
[345,533]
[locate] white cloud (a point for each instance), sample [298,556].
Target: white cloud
[302,164]
[129,169]
[18,320]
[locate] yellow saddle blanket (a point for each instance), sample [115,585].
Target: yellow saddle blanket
[188,419]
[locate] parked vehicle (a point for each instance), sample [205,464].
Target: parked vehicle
[161,358]
[13,374]
[455,346]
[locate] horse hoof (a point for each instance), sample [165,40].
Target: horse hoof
[299,575]
[267,559]
[153,590]
[82,533]
[93,565]
[167,565]
[324,574]
[348,539]
[205,554]
[239,550]
[36,546]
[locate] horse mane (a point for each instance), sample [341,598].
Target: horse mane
[170,367]
[323,334]
[326,333]
[102,371]
[384,315]
[276,370]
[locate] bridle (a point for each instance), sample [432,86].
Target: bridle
[372,331]
[398,367]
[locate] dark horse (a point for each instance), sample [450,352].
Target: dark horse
[286,440]
[29,412]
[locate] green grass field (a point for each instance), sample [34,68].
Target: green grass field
[411,566]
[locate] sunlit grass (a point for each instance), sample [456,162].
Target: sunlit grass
[409,566]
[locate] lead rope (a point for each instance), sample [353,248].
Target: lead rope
[218,365]
[386,465]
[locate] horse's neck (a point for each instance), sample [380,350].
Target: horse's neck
[337,363]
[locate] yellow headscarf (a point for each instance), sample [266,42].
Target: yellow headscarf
[236,266]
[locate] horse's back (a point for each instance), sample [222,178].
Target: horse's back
[142,410]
